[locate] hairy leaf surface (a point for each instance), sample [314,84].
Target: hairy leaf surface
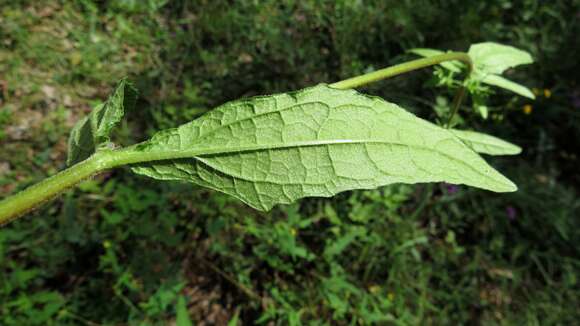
[486,144]
[314,142]
[93,130]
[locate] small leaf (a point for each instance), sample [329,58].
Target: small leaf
[337,246]
[425,52]
[93,131]
[235,319]
[486,144]
[182,318]
[483,111]
[494,58]
[318,141]
[499,81]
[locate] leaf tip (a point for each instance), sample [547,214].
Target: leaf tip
[504,185]
[510,186]
[516,150]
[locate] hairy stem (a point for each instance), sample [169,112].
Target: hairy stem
[40,193]
[403,68]
[408,67]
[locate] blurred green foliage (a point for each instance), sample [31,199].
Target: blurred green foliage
[127,250]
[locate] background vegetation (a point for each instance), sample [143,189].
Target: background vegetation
[124,249]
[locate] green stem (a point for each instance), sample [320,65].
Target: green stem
[408,67]
[456,104]
[403,68]
[40,193]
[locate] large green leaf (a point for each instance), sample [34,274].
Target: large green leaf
[93,131]
[315,142]
[486,144]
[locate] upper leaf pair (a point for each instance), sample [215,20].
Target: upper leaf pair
[490,60]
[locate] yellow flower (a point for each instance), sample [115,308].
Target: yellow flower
[390,296]
[293,231]
[547,93]
[374,289]
[527,109]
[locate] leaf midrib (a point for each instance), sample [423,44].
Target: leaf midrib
[136,156]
